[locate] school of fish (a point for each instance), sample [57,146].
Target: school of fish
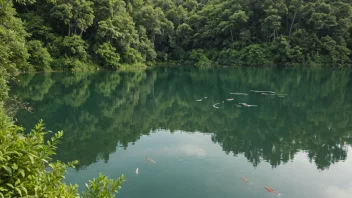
[265,187]
[271,93]
[263,93]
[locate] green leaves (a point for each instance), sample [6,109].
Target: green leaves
[107,55]
[13,54]
[8,169]
[27,174]
[21,171]
[82,15]
[103,187]
[18,191]
[62,12]
[39,55]
[81,35]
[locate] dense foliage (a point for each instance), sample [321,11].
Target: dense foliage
[87,34]
[26,165]
[102,110]
[27,168]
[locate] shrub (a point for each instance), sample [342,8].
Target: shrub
[27,169]
[39,55]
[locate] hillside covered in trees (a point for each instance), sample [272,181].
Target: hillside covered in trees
[91,34]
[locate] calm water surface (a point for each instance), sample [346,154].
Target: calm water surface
[298,144]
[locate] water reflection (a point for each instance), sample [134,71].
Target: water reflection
[99,111]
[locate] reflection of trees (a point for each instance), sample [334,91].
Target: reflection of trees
[98,111]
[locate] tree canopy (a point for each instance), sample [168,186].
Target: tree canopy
[90,34]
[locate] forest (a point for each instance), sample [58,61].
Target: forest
[111,34]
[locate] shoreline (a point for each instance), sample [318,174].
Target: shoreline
[174,64]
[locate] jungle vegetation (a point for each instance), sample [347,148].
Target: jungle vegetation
[92,34]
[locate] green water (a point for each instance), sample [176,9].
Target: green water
[299,145]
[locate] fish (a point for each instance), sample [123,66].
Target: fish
[247,105]
[201,99]
[244,179]
[214,105]
[137,171]
[257,91]
[150,160]
[272,191]
[230,99]
[267,94]
[237,93]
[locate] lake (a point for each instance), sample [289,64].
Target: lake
[200,129]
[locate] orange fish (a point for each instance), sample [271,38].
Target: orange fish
[244,179]
[272,191]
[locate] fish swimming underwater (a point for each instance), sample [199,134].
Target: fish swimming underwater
[214,105]
[150,160]
[137,171]
[201,99]
[244,179]
[230,99]
[257,91]
[268,94]
[239,94]
[272,191]
[247,105]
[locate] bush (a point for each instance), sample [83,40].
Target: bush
[256,55]
[39,56]
[27,169]
[107,55]
[3,84]
[72,64]
[200,59]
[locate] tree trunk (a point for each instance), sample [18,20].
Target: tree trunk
[274,35]
[69,29]
[293,20]
[76,28]
[231,33]
[286,23]
[153,39]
